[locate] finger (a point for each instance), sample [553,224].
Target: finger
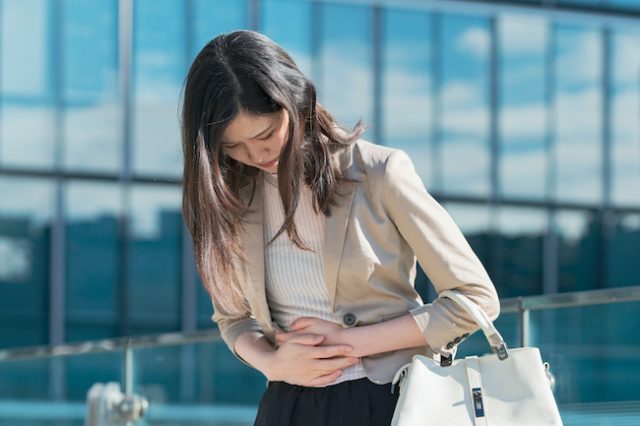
[326,379]
[306,339]
[283,336]
[332,350]
[340,363]
[302,322]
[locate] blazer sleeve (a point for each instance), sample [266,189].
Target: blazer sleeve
[442,251]
[233,325]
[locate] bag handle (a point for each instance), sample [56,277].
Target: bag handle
[498,346]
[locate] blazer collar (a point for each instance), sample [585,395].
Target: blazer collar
[253,240]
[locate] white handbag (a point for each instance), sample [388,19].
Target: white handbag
[508,387]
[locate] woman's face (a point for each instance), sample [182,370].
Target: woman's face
[256,140]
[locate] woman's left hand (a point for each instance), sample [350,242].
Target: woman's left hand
[331,331]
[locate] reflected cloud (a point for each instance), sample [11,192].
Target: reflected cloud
[25,65]
[522,35]
[27,135]
[579,55]
[93,137]
[476,41]
[148,203]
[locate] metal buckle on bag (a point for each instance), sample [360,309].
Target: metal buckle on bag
[446,361]
[478,405]
[501,351]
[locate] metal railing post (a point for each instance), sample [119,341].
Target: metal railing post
[523,322]
[128,373]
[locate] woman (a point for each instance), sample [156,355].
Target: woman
[306,238]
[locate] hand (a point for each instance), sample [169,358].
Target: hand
[300,361]
[309,326]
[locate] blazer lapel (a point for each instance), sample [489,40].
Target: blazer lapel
[335,228]
[253,244]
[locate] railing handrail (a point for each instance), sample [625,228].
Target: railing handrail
[509,305]
[571,299]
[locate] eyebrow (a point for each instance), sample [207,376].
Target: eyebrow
[253,137]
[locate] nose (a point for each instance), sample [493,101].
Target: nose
[258,155]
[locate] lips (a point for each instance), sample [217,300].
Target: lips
[270,163]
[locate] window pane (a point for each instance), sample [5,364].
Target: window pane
[406,86]
[578,115]
[475,223]
[92,260]
[26,84]
[25,225]
[345,85]
[90,85]
[631,4]
[155,258]
[624,268]
[522,124]
[625,114]
[465,47]
[578,236]
[288,23]
[518,251]
[159,64]
[212,18]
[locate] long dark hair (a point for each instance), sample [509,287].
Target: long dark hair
[246,71]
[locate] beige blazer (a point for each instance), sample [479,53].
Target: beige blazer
[371,242]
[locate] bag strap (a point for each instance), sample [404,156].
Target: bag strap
[476,390]
[498,346]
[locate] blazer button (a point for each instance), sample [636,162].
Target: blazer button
[349,319]
[457,340]
[450,345]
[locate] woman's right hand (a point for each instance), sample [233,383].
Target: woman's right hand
[300,361]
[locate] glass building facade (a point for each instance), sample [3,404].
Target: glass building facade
[524,124]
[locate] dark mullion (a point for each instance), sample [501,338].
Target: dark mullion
[57,241]
[126,21]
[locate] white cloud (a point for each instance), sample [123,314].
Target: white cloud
[459,93]
[626,64]
[156,137]
[523,173]
[571,225]
[27,135]
[476,41]
[148,201]
[93,138]
[523,121]
[579,56]
[25,63]
[466,165]
[470,219]
[346,88]
[28,197]
[579,114]
[522,34]
[89,200]
[407,104]
[521,220]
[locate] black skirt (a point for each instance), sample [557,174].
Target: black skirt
[350,403]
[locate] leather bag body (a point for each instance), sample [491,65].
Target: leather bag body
[508,387]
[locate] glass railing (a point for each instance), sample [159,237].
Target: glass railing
[591,340]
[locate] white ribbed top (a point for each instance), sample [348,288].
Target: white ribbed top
[295,278]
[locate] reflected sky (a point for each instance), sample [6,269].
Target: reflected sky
[414,46]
